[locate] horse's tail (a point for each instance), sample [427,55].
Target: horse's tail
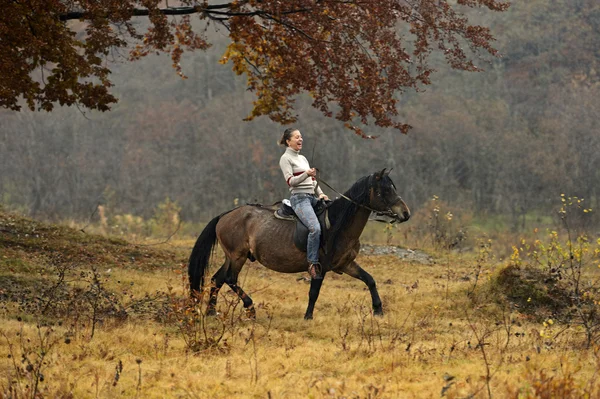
[197,266]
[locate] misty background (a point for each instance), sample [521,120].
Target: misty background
[507,141]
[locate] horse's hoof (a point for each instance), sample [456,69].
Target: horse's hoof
[378,312]
[211,312]
[251,313]
[308,317]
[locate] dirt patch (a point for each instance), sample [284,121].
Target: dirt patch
[409,255]
[535,292]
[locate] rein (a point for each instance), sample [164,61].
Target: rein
[385,213]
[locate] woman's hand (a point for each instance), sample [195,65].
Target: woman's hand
[312,172]
[323,196]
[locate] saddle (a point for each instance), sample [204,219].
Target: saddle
[285,212]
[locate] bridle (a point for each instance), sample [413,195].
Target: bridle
[387,212]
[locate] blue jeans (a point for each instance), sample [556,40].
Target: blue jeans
[303,206]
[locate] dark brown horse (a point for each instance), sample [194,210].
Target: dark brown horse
[252,232]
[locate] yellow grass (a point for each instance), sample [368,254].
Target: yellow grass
[291,357]
[426,342]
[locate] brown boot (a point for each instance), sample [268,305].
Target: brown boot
[314,271]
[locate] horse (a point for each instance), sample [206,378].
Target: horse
[251,232]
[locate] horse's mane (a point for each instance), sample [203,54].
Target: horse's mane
[341,211]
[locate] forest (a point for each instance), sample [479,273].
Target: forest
[505,141]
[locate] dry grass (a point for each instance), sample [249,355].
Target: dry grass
[433,339]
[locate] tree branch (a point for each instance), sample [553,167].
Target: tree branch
[290,26]
[137,12]
[209,10]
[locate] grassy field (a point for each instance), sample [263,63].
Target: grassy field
[87,316]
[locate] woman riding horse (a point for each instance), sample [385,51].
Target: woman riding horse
[252,232]
[300,177]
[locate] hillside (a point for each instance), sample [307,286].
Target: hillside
[35,242]
[46,269]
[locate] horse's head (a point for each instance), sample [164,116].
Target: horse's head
[384,199]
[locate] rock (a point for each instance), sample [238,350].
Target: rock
[411,255]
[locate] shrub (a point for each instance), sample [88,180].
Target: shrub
[441,226]
[559,273]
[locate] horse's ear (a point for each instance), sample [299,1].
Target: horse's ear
[379,175]
[389,171]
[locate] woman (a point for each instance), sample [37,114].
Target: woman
[300,177]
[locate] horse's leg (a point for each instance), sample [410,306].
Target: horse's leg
[217,280]
[231,280]
[354,270]
[313,294]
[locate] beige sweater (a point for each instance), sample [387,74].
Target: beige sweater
[294,167]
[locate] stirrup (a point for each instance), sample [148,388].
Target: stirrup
[315,271]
